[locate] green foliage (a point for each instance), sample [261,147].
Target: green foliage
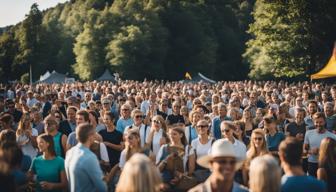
[25,78]
[286,37]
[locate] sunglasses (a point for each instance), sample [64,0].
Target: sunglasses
[138,116]
[225,162]
[156,121]
[258,139]
[226,130]
[202,126]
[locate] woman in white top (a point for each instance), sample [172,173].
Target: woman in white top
[26,136]
[157,135]
[191,131]
[201,147]
[138,125]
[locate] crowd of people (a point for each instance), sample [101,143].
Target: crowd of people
[156,136]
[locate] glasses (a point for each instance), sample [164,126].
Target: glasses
[58,117]
[177,106]
[50,123]
[225,162]
[226,130]
[138,116]
[156,121]
[258,139]
[202,126]
[124,109]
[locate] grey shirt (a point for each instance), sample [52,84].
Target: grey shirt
[313,139]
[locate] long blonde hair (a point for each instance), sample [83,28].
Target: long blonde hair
[265,174]
[252,151]
[139,175]
[22,125]
[129,151]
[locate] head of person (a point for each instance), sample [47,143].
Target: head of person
[106,104]
[71,113]
[328,109]
[300,114]
[176,106]
[222,160]
[259,113]
[203,127]
[11,153]
[239,129]
[265,174]
[177,135]
[10,105]
[222,110]
[227,129]
[108,119]
[24,122]
[257,142]
[184,111]
[319,121]
[45,143]
[7,135]
[125,111]
[194,117]
[247,114]
[85,134]
[132,138]
[6,121]
[158,122]
[214,108]
[290,152]
[93,116]
[327,153]
[312,107]
[50,124]
[164,104]
[139,174]
[270,123]
[137,116]
[82,116]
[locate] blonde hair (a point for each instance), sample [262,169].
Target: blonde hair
[252,151]
[265,174]
[139,175]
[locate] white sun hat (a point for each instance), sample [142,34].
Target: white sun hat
[220,148]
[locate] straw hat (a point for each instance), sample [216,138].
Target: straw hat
[220,148]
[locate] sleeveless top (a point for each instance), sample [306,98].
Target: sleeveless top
[58,145]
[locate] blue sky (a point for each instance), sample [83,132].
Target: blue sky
[14,11]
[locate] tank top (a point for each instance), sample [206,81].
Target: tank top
[57,144]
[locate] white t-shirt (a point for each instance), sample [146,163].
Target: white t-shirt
[156,141]
[201,149]
[103,153]
[28,148]
[144,132]
[122,160]
[240,149]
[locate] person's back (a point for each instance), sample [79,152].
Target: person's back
[82,166]
[301,184]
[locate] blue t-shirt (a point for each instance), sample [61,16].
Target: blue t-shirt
[123,123]
[274,141]
[302,184]
[47,170]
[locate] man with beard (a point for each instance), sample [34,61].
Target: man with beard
[313,140]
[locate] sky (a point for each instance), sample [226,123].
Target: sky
[14,11]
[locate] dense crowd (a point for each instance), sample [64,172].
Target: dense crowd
[168,136]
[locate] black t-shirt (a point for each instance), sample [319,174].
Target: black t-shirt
[172,119]
[114,137]
[293,129]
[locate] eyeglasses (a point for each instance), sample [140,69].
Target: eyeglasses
[202,126]
[258,139]
[176,106]
[156,121]
[138,116]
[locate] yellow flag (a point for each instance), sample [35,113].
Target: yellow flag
[187,76]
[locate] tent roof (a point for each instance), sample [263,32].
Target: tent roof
[329,70]
[45,76]
[199,78]
[106,76]
[54,77]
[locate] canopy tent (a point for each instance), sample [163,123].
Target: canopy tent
[44,76]
[106,76]
[329,70]
[198,78]
[54,77]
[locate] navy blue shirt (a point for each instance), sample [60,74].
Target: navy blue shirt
[274,141]
[302,184]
